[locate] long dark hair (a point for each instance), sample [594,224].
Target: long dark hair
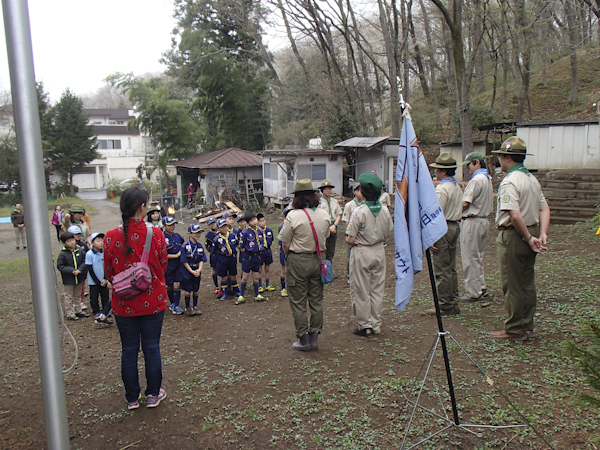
[131,200]
[369,196]
[307,199]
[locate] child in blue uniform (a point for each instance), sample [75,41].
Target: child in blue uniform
[99,285]
[242,225]
[226,251]
[266,256]
[230,220]
[174,241]
[192,260]
[209,243]
[251,245]
[284,293]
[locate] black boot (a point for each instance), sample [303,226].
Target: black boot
[302,344]
[312,337]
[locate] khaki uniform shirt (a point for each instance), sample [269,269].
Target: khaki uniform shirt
[368,229]
[298,233]
[335,211]
[450,197]
[480,197]
[385,200]
[520,191]
[349,209]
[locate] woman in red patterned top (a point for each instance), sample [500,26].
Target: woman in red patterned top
[139,318]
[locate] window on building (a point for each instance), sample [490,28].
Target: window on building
[267,171]
[97,122]
[316,172]
[271,171]
[109,144]
[116,122]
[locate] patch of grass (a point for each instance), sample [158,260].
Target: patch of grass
[65,203]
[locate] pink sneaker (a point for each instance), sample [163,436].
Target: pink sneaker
[152,401]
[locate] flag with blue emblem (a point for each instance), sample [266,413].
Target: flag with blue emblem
[419,221]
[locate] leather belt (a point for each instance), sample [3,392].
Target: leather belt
[502,228]
[296,253]
[365,245]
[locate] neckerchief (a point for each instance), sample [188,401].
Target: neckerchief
[357,204]
[264,230]
[482,171]
[374,206]
[308,206]
[328,200]
[520,167]
[452,179]
[226,236]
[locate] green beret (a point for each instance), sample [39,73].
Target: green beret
[371,183]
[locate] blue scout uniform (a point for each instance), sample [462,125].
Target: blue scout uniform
[266,255]
[251,242]
[173,273]
[209,243]
[226,252]
[192,254]
[281,253]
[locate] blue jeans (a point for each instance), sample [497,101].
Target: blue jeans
[133,330]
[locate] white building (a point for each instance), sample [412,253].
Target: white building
[282,167]
[121,150]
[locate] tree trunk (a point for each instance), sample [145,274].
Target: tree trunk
[71,187]
[313,97]
[451,81]
[573,41]
[479,57]
[395,113]
[418,58]
[431,63]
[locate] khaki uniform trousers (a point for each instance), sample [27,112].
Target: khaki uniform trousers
[305,290]
[330,246]
[20,236]
[473,237]
[517,264]
[444,267]
[367,285]
[73,298]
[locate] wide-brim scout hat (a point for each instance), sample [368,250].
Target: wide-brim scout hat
[76,208]
[302,186]
[153,207]
[194,228]
[168,220]
[370,183]
[472,157]
[444,161]
[513,146]
[326,184]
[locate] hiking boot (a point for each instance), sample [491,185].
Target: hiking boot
[468,299]
[284,292]
[73,317]
[449,312]
[196,311]
[240,300]
[270,288]
[365,332]
[261,289]
[259,298]
[82,315]
[312,339]
[302,344]
[152,401]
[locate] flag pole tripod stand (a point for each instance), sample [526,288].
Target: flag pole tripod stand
[453,421]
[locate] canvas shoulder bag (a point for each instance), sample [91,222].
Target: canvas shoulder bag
[326,268]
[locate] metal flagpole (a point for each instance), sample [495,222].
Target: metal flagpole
[31,169]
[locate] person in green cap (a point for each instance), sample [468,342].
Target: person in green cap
[477,205]
[303,227]
[332,207]
[443,252]
[369,227]
[522,217]
[75,218]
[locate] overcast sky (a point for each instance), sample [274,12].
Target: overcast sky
[77,43]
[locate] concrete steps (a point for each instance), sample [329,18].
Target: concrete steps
[573,195]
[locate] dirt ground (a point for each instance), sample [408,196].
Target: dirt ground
[233,380]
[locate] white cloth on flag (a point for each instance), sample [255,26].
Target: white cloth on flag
[418,219]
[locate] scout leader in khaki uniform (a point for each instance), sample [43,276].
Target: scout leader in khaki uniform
[522,217]
[332,207]
[477,205]
[369,227]
[302,263]
[349,208]
[443,251]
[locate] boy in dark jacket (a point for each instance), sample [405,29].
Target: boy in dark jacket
[71,265]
